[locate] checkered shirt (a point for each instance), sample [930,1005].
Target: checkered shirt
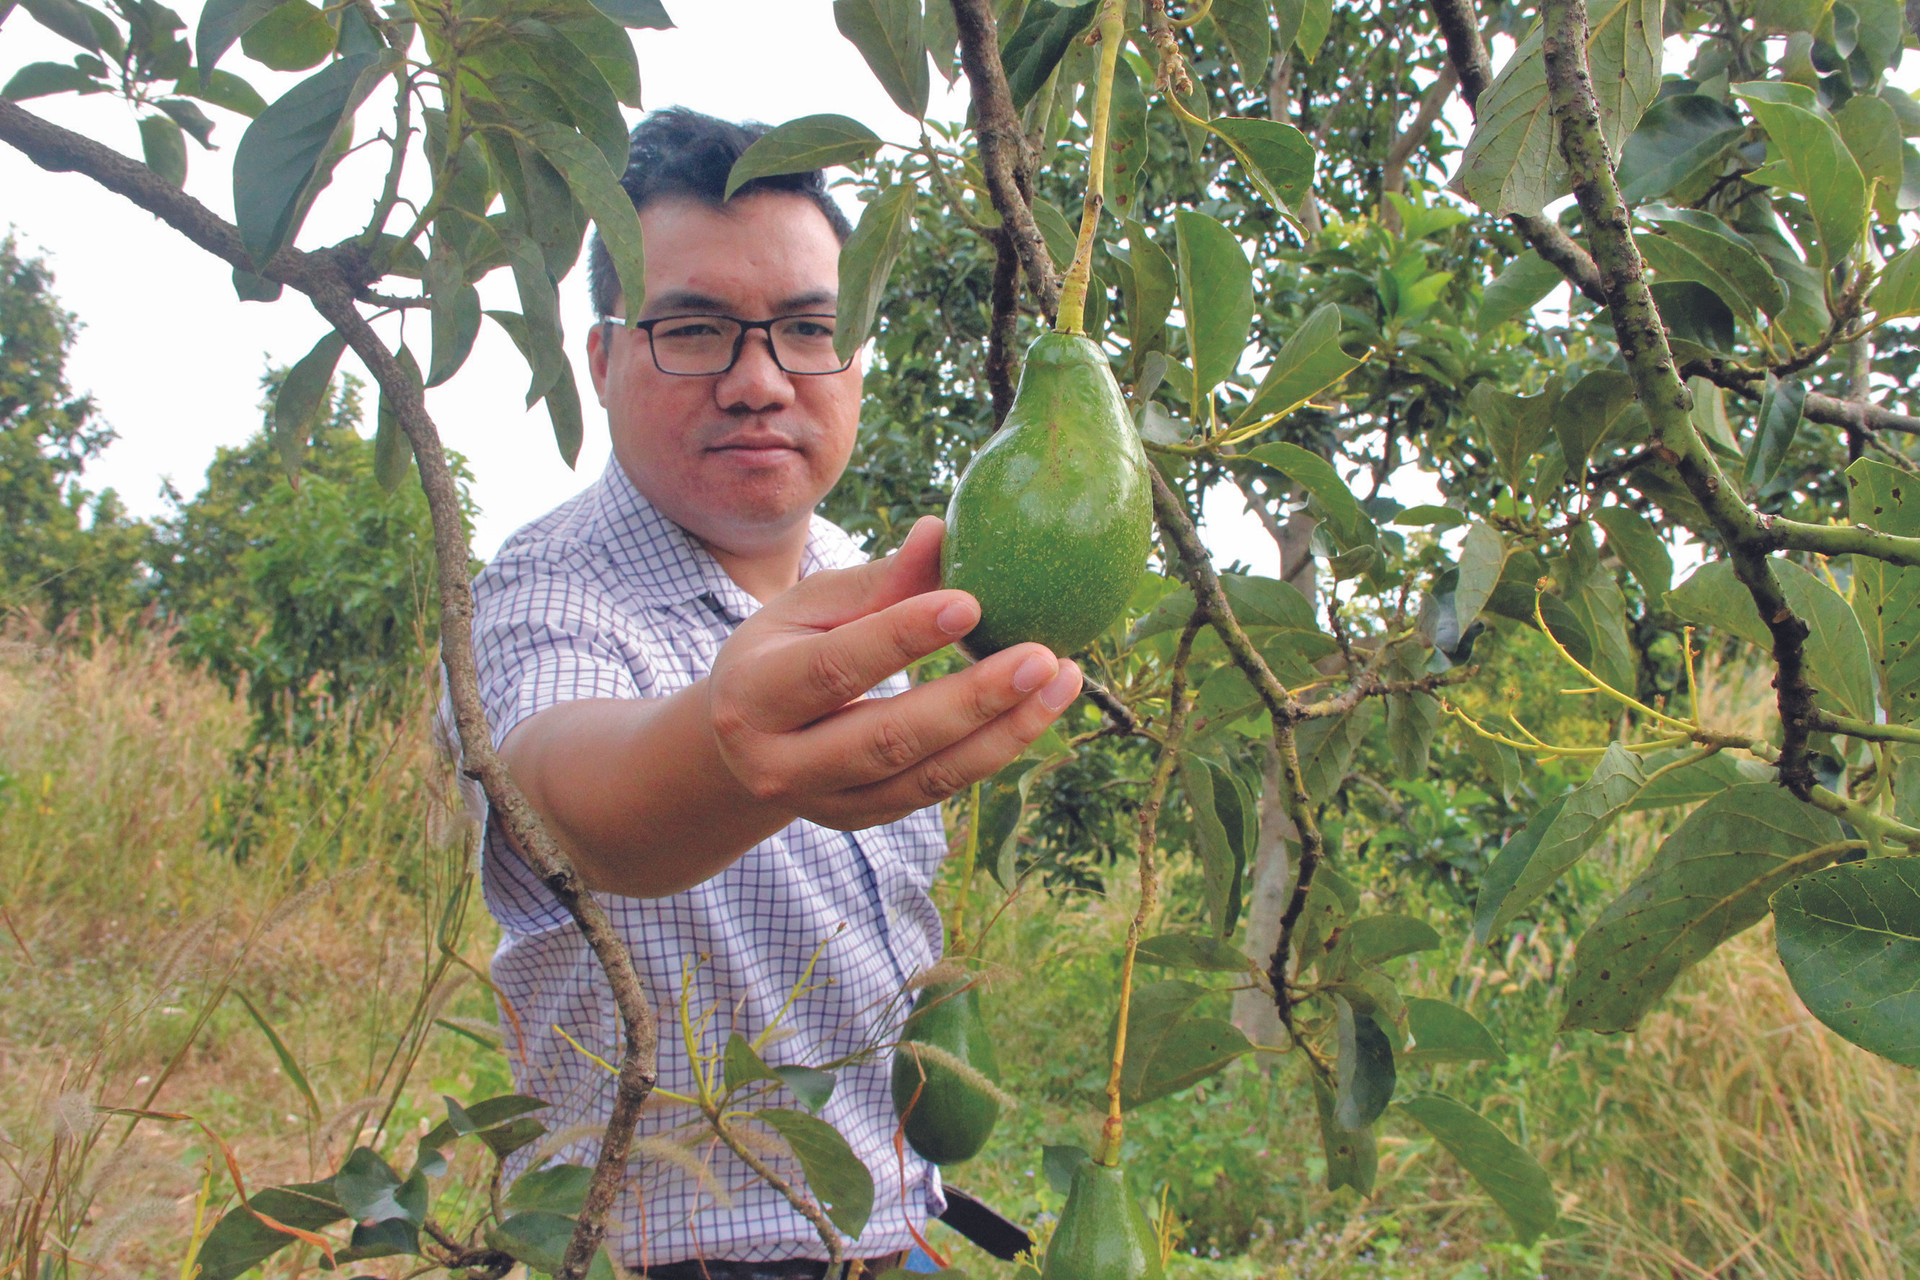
[606,598]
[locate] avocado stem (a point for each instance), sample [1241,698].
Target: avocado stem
[1111,26]
[1179,703]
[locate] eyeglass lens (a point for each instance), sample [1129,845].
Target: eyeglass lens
[706,344]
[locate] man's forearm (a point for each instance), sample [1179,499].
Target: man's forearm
[637,791]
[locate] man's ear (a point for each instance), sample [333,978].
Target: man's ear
[597,338]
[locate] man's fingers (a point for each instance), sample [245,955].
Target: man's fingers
[836,597]
[980,755]
[874,740]
[810,676]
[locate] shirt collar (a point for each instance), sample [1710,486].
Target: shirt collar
[668,566]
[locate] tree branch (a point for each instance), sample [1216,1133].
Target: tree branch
[330,280]
[1643,343]
[1831,411]
[1003,155]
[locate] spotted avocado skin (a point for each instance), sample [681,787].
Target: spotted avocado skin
[1102,1235]
[1050,524]
[952,1119]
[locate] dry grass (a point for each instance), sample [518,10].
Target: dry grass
[130,929]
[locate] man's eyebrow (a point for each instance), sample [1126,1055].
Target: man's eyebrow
[684,300]
[809,301]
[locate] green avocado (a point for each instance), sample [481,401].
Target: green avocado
[952,1118]
[1050,524]
[1102,1235]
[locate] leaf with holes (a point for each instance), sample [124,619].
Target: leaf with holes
[1708,881]
[1886,597]
[1168,1048]
[1849,939]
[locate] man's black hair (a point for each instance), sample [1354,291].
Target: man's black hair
[680,153]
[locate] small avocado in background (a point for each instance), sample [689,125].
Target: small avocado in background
[1050,524]
[1102,1234]
[952,1117]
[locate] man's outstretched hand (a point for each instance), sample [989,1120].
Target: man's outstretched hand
[654,796]
[787,707]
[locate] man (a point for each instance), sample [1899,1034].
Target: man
[698,684]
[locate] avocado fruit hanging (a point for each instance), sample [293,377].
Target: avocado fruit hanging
[1050,524]
[1102,1234]
[951,1117]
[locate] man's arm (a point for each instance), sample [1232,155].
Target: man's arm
[652,796]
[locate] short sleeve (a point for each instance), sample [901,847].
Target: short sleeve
[546,630]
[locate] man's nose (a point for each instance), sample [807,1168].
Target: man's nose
[756,382]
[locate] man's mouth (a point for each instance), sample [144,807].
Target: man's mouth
[756,449]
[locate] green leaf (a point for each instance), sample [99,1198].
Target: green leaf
[291,36]
[279,156]
[597,188]
[1849,939]
[38,79]
[548,77]
[303,394]
[889,36]
[560,1189]
[1691,245]
[1445,1032]
[1221,862]
[1038,44]
[1247,26]
[190,118]
[1709,880]
[1504,1170]
[834,1174]
[1553,840]
[1679,149]
[454,307]
[1886,598]
[536,331]
[1346,521]
[1512,162]
[240,1242]
[1599,406]
[798,146]
[1808,157]
[68,19]
[1151,292]
[1592,596]
[1276,157]
[648,15]
[866,262]
[1216,296]
[288,1063]
[1167,1049]
[1126,135]
[391,452]
[369,1189]
[1316,19]
[563,411]
[1697,780]
[1003,799]
[1838,663]
[1326,748]
[536,1237]
[164,149]
[1516,426]
[1774,429]
[1897,293]
[1193,951]
[1512,294]
[1633,539]
[1872,134]
[1364,1073]
[1378,939]
[1308,362]
[1352,1158]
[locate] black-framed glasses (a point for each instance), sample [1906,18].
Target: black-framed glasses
[703,346]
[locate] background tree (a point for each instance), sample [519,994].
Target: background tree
[62,548]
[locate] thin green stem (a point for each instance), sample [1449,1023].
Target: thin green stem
[1111,27]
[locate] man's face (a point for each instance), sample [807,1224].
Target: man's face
[738,459]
